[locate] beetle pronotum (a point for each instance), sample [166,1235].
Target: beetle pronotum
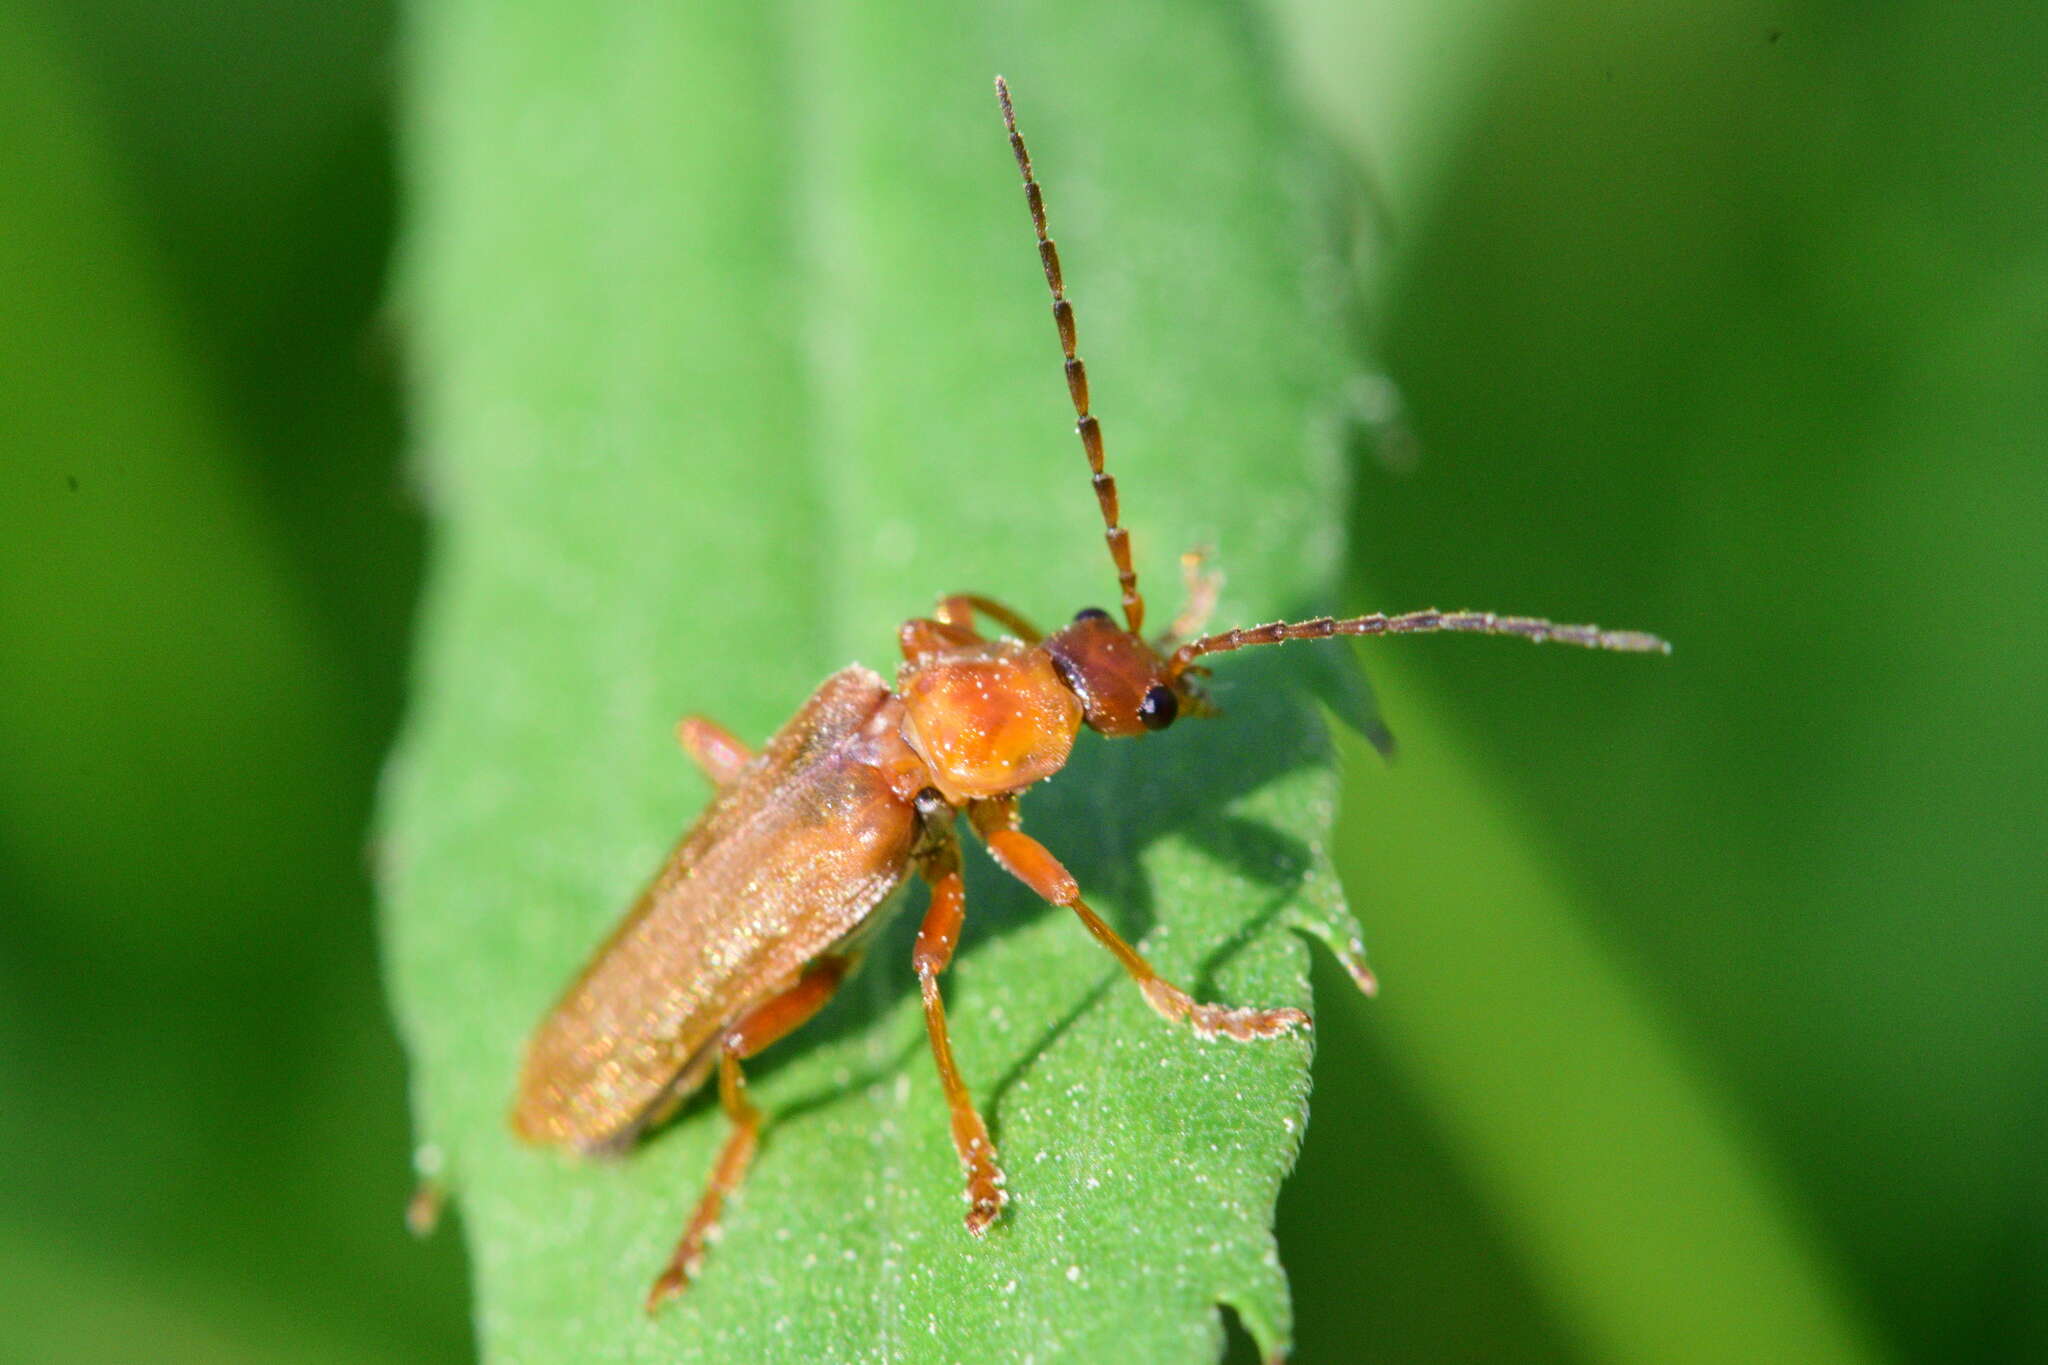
[762,908]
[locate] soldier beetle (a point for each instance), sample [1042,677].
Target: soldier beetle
[762,909]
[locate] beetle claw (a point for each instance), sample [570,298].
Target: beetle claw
[984,1212]
[667,1285]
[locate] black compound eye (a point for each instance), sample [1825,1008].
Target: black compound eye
[1159,707]
[1091,614]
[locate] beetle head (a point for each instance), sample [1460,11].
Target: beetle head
[1123,685]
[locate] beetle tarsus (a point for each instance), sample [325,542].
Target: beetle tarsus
[671,1282]
[986,1196]
[1243,1023]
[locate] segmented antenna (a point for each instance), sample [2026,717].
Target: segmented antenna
[1077,376]
[1414,623]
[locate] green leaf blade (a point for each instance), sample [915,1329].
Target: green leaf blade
[734,354]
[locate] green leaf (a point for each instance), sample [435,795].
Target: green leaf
[732,352]
[104,677]
[1643,1206]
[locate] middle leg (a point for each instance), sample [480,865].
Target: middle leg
[936,939]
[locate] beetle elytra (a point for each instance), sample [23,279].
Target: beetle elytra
[762,908]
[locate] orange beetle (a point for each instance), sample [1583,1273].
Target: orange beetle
[764,906]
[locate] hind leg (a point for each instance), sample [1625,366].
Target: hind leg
[766,1023]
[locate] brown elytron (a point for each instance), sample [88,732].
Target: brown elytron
[761,910]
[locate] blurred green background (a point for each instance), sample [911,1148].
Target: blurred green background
[1712,988]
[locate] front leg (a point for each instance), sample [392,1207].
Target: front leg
[959,609]
[713,748]
[1201,588]
[952,627]
[1031,863]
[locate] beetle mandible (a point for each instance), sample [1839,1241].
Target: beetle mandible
[763,907]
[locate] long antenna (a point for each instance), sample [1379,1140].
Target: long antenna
[1414,623]
[1077,376]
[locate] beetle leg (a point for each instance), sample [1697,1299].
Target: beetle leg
[764,1024]
[935,942]
[921,638]
[959,608]
[1202,587]
[952,625]
[712,747]
[1031,863]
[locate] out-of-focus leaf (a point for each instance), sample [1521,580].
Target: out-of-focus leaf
[1729,323]
[1645,1212]
[135,571]
[733,352]
[66,1304]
